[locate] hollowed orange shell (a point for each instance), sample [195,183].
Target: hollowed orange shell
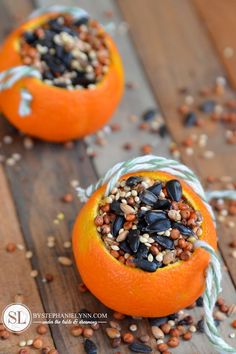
[59,114]
[130,290]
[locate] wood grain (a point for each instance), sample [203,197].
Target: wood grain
[43,176]
[38,183]
[13,265]
[177,54]
[219,19]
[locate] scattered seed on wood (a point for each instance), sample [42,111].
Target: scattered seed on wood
[88,332]
[173,342]
[22,343]
[65,261]
[67,198]
[41,329]
[128,338]
[157,332]
[76,331]
[90,347]
[37,343]
[233,324]
[112,332]
[140,348]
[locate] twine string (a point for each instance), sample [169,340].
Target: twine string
[213,274]
[9,77]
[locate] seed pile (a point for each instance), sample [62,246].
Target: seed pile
[69,53]
[148,224]
[166,332]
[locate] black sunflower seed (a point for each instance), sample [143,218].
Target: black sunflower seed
[117,225]
[159,264]
[207,106]
[133,240]
[142,251]
[164,241]
[162,204]
[149,115]
[81,21]
[142,225]
[174,190]
[47,75]
[66,59]
[140,348]
[145,265]
[190,119]
[141,214]
[173,316]
[199,301]
[152,216]
[159,226]
[148,198]
[124,247]
[184,230]
[133,181]
[30,37]
[60,84]
[163,131]
[155,189]
[157,321]
[90,347]
[200,326]
[115,206]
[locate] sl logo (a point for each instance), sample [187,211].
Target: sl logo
[16,317]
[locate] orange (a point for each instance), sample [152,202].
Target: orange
[133,291]
[59,114]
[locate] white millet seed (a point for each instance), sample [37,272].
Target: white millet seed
[115,248]
[192,329]
[22,343]
[159,257]
[150,257]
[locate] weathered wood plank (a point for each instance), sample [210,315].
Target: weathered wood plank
[39,181]
[13,265]
[218,17]
[175,56]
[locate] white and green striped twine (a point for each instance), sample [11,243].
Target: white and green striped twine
[9,77]
[214,275]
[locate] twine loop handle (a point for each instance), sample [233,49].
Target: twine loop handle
[213,274]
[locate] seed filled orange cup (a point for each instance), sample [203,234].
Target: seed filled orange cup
[79,80]
[134,247]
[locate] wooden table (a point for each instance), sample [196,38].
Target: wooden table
[171,44]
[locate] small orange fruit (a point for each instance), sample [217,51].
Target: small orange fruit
[58,114]
[133,291]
